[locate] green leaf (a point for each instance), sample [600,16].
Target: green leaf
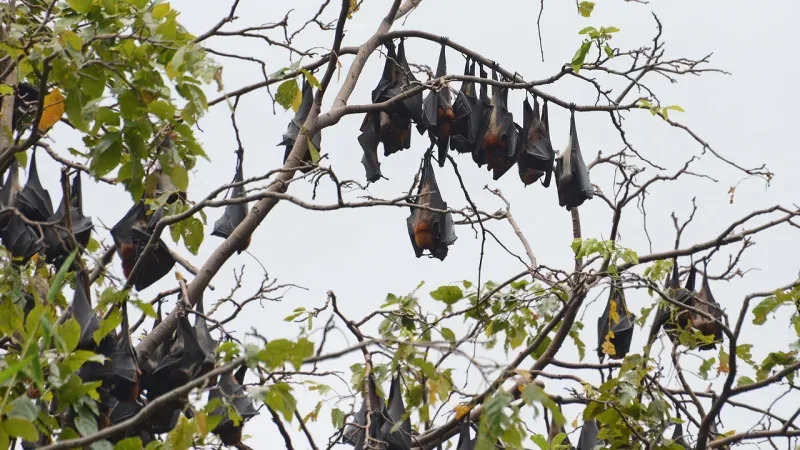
[337,418]
[279,397]
[107,325]
[81,6]
[70,332]
[447,294]
[23,407]
[313,151]
[58,281]
[192,232]
[20,428]
[287,92]
[181,436]
[744,381]
[179,177]
[6,89]
[448,334]
[162,110]
[160,11]
[13,369]
[312,80]
[609,51]
[706,366]
[585,8]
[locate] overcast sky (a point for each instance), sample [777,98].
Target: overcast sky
[364,254]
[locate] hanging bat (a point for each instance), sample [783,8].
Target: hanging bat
[234,214]
[429,230]
[184,361]
[615,326]
[131,235]
[355,434]
[400,439]
[438,113]
[588,437]
[572,175]
[124,365]
[369,140]
[296,124]
[395,124]
[704,301]
[57,239]
[207,343]
[536,155]
[20,239]
[467,114]
[34,201]
[498,133]
[84,314]
[677,434]
[485,107]
[671,319]
[148,367]
[231,390]
[24,104]
[464,442]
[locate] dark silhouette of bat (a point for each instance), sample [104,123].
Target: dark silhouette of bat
[400,439]
[84,314]
[369,140]
[354,434]
[34,201]
[230,390]
[234,214]
[394,124]
[467,114]
[57,239]
[677,434]
[498,135]
[131,235]
[296,124]
[183,363]
[668,318]
[148,366]
[588,437]
[536,155]
[207,343]
[430,230]
[554,430]
[124,365]
[572,175]
[438,113]
[704,301]
[464,441]
[17,236]
[484,106]
[615,326]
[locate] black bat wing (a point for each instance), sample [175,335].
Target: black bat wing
[34,200]
[355,435]
[121,231]
[234,214]
[572,175]
[10,189]
[57,239]
[20,239]
[207,343]
[400,439]
[466,113]
[158,264]
[124,364]
[413,104]
[84,314]
[588,437]
[430,230]
[620,324]
[193,356]
[124,410]
[390,76]
[395,132]
[296,124]
[483,117]
[369,140]
[24,104]
[464,441]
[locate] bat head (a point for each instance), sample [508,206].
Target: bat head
[34,200]
[234,214]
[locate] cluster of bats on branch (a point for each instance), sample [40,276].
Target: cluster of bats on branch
[29,226]
[473,123]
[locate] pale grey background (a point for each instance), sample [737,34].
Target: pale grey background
[363,254]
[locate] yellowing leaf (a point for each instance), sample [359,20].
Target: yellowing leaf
[298,100]
[53,109]
[613,314]
[160,11]
[462,410]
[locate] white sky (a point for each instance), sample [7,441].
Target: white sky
[363,254]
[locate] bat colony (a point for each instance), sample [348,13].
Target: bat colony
[467,121]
